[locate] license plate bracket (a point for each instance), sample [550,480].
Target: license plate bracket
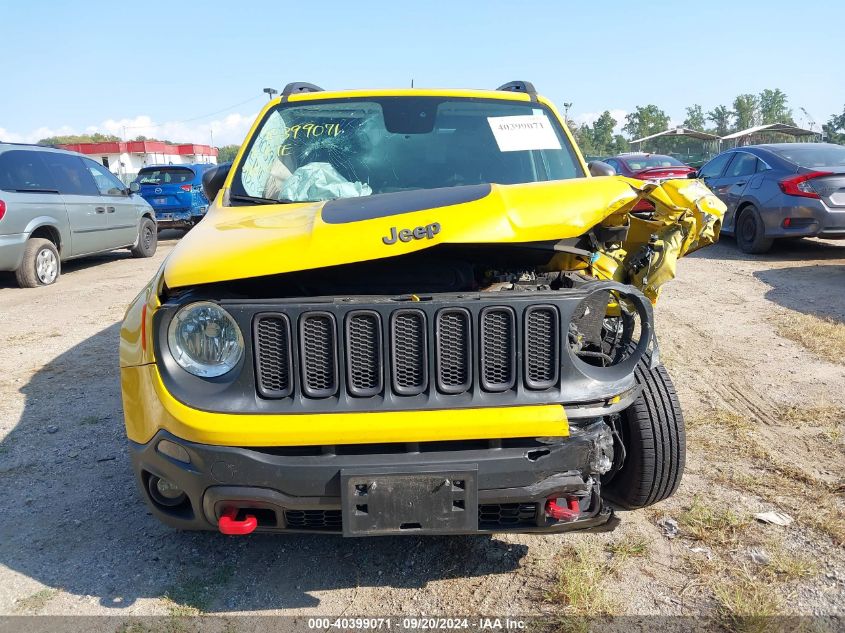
[401,501]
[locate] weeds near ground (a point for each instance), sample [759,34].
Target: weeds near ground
[746,604]
[629,546]
[194,595]
[823,336]
[581,587]
[37,601]
[712,524]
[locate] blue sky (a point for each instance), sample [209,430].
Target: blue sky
[75,67]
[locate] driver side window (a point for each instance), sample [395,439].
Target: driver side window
[107,183]
[714,168]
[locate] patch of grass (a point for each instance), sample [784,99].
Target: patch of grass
[823,336]
[629,546]
[746,604]
[193,595]
[37,601]
[786,565]
[712,524]
[581,587]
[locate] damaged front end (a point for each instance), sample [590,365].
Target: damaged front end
[443,360]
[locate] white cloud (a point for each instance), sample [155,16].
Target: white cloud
[590,117]
[229,130]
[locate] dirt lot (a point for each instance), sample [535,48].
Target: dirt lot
[764,403]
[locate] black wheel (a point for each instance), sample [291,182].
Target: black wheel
[751,232]
[652,430]
[147,239]
[41,265]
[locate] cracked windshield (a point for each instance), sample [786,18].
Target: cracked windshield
[349,148]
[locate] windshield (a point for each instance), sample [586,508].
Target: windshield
[346,148]
[637,163]
[814,157]
[165,176]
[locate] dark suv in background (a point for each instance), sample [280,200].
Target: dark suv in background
[57,205]
[175,192]
[779,190]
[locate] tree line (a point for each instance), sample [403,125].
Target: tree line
[747,110]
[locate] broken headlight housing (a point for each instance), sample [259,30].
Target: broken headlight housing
[205,340]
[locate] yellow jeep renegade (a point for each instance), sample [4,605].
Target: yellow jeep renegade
[411,312]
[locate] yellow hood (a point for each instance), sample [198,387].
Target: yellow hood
[253,241]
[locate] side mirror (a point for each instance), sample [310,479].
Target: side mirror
[600,168]
[213,179]
[693,175]
[134,187]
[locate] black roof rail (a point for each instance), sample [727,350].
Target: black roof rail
[520,86]
[296,87]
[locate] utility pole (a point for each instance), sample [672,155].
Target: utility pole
[566,107]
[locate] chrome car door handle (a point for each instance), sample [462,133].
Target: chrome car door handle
[100,209]
[110,209]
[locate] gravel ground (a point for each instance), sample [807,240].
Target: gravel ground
[76,539]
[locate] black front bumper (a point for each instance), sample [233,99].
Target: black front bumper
[298,489]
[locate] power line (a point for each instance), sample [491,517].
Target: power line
[196,118]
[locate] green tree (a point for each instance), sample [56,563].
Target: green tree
[695,118]
[227,153]
[746,111]
[602,133]
[720,116]
[644,121]
[70,139]
[773,108]
[834,129]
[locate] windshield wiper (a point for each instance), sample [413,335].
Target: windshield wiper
[256,199]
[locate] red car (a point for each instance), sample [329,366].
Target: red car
[649,166]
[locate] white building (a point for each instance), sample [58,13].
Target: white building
[126,158]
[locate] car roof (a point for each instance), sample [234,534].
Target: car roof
[504,95]
[777,146]
[41,148]
[193,166]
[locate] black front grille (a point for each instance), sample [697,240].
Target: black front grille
[313,520]
[498,353]
[506,515]
[273,355]
[318,353]
[410,352]
[356,354]
[454,351]
[541,346]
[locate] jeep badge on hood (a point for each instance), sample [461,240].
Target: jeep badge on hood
[426,232]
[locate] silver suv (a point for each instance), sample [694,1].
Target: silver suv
[57,205]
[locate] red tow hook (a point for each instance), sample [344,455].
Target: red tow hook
[228,523]
[560,513]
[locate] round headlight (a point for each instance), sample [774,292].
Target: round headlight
[205,340]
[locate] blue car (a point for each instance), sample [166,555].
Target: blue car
[175,193]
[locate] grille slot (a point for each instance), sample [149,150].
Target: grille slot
[454,351]
[541,346]
[363,353]
[273,356]
[507,515]
[409,344]
[329,520]
[318,353]
[498,349]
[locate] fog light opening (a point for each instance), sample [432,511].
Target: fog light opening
[165,493]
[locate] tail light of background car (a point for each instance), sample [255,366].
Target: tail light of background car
[800,185]
[2,209]
[186,187]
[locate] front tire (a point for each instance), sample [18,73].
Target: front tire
[147,239]
[41,265]
[652,431]
[751,232]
